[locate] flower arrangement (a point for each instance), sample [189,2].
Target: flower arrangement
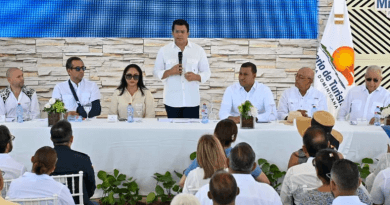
[55,106]
[247,110]
[385,111]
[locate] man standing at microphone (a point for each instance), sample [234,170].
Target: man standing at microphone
[181,65]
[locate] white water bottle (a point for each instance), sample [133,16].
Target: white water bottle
[19,113]
[130,113]
[377,116]
[313,110]
[205,114]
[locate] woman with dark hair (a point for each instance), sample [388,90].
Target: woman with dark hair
[323,163]
[132,90]
[38,183]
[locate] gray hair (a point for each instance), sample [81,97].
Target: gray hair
[241,158]
[185,199]
[9,71]
[375,69]
[345,174]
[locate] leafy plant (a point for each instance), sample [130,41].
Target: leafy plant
[193,155]
[55,106]
[364,167]
[247,110]
[272,172]
[126,190]
[168,184]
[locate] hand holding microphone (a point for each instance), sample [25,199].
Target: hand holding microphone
[180,55]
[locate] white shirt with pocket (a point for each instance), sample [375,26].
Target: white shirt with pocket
[380,192]
[360,104]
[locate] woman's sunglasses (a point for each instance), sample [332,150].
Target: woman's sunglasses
[129,76]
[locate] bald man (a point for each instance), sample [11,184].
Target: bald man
[16,93]
[302,96]
[362,100]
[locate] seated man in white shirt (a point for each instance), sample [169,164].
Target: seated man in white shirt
[223,188]
[361,101]
[11,168]
[301,97]
[304,175]
[380,192]
[344,181]
[84,91]
[241,162]
[17,93]
[248,89]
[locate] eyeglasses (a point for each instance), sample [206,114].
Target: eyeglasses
[369,80]
[328,175]
[78,69]
[314,163]
[12,138]
[129,76]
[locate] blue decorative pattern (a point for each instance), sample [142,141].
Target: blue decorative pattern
[153,18]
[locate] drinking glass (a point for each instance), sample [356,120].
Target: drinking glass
[272,116]
[87,108]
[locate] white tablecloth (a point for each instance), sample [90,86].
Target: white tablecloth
[141,149]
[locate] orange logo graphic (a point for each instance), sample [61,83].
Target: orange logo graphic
[343,60]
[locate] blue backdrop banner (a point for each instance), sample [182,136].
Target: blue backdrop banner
[153,18]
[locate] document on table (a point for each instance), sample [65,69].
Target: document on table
[178,120]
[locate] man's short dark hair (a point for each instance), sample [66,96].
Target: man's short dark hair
[223,187]
[315,139]
[242,158]
[5,138]
[345,174]
[61,132]
[70,60]
[180,22]
[251,65]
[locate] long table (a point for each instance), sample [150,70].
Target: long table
[141,149]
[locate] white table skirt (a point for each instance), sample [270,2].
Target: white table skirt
[141,149]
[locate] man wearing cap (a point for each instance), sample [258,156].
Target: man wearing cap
[249,89]
[361,101]
[17,93]
[302,97]
[77,91]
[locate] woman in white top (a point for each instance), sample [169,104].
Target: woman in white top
[132,90]
[211,157]
[39,184]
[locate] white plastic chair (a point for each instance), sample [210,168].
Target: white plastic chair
[37,201]
[7,182]
[64,180]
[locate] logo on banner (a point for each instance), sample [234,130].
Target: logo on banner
[383,5]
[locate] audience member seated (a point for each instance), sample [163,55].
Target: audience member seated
[70,161]
[185,199]
[211,157]
[304,176]
[344,182]
[241,162]
[322,195]
[226,132]
[383,163]
[380,193]
[2,201]
[223,188]
[39,184]
[132,90]
[326,121]
[11,168]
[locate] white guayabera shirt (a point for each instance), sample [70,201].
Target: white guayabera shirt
[380,192]
[260,96]
[27,99]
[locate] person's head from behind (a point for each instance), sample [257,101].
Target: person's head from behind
[5,140]
[185,199]
[180,31]
[210,155]
[345,178]
[223,188]
[132,76]
[323,163]
[314,140]
[61,133]
[242,159]
[44,161]
[15,77]
[226,132]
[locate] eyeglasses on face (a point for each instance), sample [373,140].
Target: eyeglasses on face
[314,162]
[12,138]
[78,69]
[369,80]
[328,175]
[129,76]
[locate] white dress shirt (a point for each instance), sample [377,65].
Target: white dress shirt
[86,91]
[11,168]
[299,179]
[178,92]
[29,105]
[347,200]
[251,192]
[380,192]
[31,185]
[260,96]
[360,104]
[292,100]
[195,181]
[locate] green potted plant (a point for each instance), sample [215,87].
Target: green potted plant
[55,109]
[248,114]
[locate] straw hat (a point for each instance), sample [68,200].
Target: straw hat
[321,118]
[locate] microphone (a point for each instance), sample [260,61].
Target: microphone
[180,55]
